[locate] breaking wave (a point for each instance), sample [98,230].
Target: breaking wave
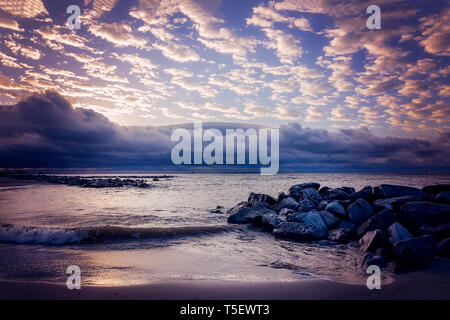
[102,234]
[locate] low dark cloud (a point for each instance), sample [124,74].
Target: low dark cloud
[45,131]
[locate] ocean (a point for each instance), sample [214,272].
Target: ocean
[171,231]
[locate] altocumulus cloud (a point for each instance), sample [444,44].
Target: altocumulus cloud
[45,131]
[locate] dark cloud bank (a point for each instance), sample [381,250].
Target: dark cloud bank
[45,131]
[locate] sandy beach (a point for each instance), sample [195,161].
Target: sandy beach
[432,283]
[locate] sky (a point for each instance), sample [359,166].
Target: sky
[312,68]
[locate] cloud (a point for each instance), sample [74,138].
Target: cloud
[46,131]
[10,24]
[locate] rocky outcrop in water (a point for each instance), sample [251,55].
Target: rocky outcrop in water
[406,225]
[91,181]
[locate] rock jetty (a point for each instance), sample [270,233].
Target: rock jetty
[91,181]
[406,225]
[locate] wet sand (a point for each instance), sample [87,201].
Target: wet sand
[432,283]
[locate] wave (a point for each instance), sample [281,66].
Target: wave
[102,234]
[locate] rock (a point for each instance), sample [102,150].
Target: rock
[322,205]
[285,211]
[311,194]
[397,232]
[155,179]
[258,197]
[255,215]
[101,184]
[365,193]
[271,221]
[312,218]
[380,221]
[416,214]
[373,240]
[288,202]
[348,190]
[336,209]
[299,231]
[392,191]
[435,189]
[415,253]
[443,248]
[370,259]
[306,206]
[238,214]
[347,225]
[439,232]
[329,219]
[324,192]
[340,235]
[295,191]
[281,196]
[443,197]
[393,204]
[337,194]
[359,211]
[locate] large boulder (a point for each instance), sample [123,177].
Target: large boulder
[393,204]
[435,189]
[336,209]
[306,205]
[348,190]
[255,215]
[259,197]
[329,219]
[365,193]
[359,211]
[397,232]
[392,191]
[295,191]
[373,240]
[381,220]
[443,248]
[439,232]
[443,197]
[337,194]
[416,214]
[288,203]
[415,253]
[270,221]
[299,231]
[311,194]
[238,214]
